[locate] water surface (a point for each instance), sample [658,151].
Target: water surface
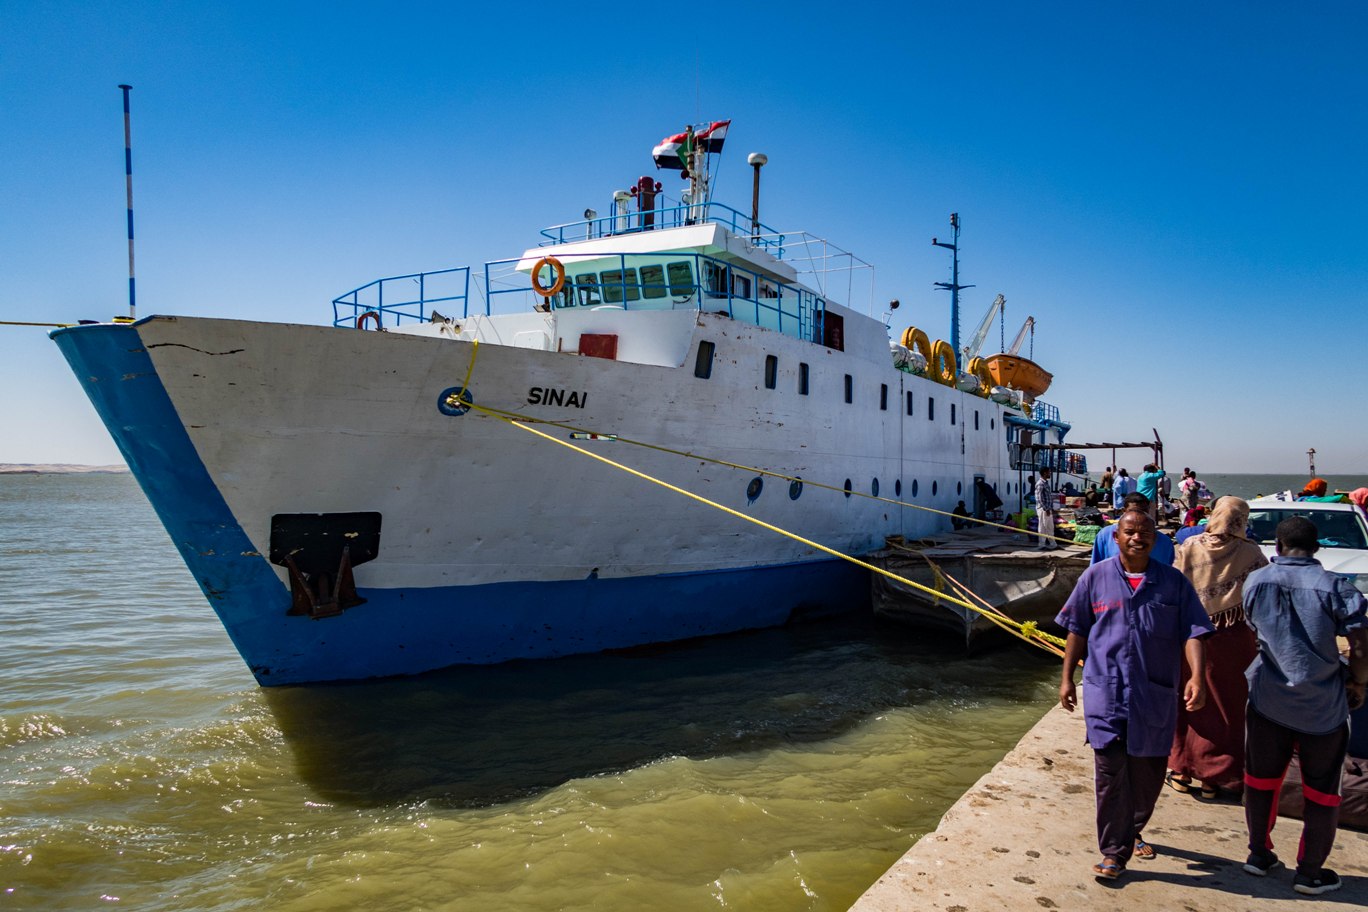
[141,766]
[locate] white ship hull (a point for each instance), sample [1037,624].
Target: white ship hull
[498,544]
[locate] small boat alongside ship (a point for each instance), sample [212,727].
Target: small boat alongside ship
[363,499]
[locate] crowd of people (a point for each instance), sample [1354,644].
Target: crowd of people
[1206,664]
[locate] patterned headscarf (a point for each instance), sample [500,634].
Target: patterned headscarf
[1218,561]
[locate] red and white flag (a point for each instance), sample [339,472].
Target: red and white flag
[711,139]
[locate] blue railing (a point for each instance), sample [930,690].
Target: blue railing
[669,217]
[713,285]
[1043,411]
[394,297]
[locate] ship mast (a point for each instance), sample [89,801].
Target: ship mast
[953,284]
[698,177]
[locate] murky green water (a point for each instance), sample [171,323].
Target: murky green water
[141,767]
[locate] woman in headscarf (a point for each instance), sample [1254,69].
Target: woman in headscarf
[1208,744]
[1359,498]
[1316,487]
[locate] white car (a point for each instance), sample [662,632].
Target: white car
[1342,528]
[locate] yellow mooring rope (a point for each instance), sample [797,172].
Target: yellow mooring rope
[1028,632]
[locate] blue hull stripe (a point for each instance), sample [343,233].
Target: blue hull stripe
[406,631]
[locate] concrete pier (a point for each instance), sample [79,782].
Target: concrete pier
[1024,838]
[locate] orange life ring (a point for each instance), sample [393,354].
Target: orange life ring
[361,320]
[558,268]
[941,365]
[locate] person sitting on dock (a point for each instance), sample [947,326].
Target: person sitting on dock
[1133,619]
[955,514]
[1299,698]
[1104,546]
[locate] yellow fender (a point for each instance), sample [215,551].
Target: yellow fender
[979,368]
[941,365]
[918,342]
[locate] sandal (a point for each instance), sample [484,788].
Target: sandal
[1108,869]
[1143,850]
[1178,783]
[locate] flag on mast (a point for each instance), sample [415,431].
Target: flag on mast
[711,139]
[670,152]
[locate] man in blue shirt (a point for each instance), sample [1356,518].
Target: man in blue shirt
[1133,618]
[1299,697]
[1104,546]
[1148,484]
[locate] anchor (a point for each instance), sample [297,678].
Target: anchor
[319,550]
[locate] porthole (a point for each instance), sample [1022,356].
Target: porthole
[959,488]
[704,361]
[795,489]
[874,488]
[914,487]
[897,488]
[934,486]
[992,424]
[847,487]
[757,484]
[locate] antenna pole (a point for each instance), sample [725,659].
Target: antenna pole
[128,181]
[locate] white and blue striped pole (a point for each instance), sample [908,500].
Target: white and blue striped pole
[128,180]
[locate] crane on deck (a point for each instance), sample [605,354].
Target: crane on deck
[976,340]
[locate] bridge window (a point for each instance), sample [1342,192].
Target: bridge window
[703,363]
[653,281]
[681,279]
[616,284]
[740,285]
[802,378]
[771,371]
[587,284]
[715,279]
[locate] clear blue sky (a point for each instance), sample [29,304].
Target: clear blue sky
[1175,191]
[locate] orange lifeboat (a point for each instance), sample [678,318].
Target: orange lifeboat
[1019,373]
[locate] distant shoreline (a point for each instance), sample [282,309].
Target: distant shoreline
[25,468]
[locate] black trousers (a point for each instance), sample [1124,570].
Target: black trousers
[1268,751]
[1127,789]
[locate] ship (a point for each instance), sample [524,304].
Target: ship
[576,455]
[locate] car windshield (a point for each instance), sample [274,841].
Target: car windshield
[1336,528]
